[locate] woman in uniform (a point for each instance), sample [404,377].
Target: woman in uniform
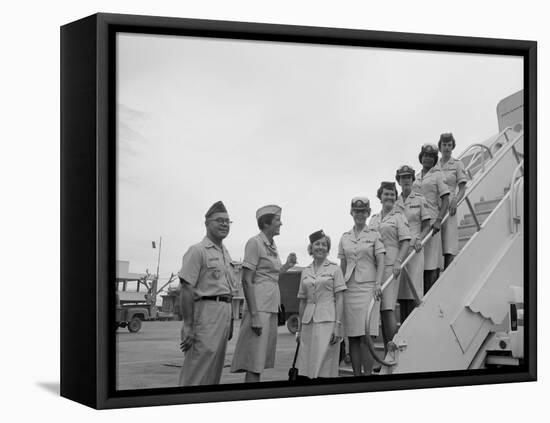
[394,230]
[321,312]
[257,340]
[413,205]
[454,176]
[430,183]
[361,254]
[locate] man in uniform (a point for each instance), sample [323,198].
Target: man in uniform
[207,286]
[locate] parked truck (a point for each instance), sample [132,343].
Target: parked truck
[136,297]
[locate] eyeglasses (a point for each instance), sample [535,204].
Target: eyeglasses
[222,221]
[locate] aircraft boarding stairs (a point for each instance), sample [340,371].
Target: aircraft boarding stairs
[469,318]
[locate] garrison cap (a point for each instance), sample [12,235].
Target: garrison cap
[360,203]
[316,236]
[269,209]
[217,207]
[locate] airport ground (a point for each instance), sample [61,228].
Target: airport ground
[151,357]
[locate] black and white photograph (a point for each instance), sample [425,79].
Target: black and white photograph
[289,211]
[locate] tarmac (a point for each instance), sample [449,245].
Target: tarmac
[151,358]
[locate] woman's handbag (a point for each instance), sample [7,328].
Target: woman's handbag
[293,375]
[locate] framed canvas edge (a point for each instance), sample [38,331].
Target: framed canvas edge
[105,195]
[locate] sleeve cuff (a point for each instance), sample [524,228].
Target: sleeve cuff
[187,278]
[249,266]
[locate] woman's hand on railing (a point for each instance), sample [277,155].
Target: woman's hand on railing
[396,268]
[453,204]
[436,227]
[377,291]
[418,245]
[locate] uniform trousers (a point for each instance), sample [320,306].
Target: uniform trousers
[203,362]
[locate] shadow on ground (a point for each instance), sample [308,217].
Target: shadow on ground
[51,387]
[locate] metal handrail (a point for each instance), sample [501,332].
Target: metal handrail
[475,145]
[483,146]
[513,197]
[502,152]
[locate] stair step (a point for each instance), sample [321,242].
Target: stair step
[483,206]
[469,220]
[467,230]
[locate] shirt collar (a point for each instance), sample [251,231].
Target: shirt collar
[365,230]
[449,162]
[410,196]
[436,168]
[263,237]
[207,243]
[325,264]
[391,213]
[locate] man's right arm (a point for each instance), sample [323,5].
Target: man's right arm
[186,303]
[187,306]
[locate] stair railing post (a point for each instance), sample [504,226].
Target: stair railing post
[513,198]
[472,210]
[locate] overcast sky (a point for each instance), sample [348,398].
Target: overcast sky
[306,127]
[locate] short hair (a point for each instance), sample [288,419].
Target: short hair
[386,185]
[266,219]
[310,246]
[446,138]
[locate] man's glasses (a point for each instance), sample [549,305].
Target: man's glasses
[222,221]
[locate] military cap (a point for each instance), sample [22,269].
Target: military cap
[217,207]
[270,209]
[360,203]
[316,236]
[404,170]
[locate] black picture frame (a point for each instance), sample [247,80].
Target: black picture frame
[88,197]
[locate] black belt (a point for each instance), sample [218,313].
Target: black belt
[226,298]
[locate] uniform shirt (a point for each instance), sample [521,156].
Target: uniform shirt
[262,257]
[208,269]
[453,172]
[393,228]
[416,210]
[319,290]
[360,254]
[432,186]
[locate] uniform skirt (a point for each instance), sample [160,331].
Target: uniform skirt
[389,295]
[255,353]
[413,271]
[203,362]
[449,235]
[316,357]
[433,253]
[356,302]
